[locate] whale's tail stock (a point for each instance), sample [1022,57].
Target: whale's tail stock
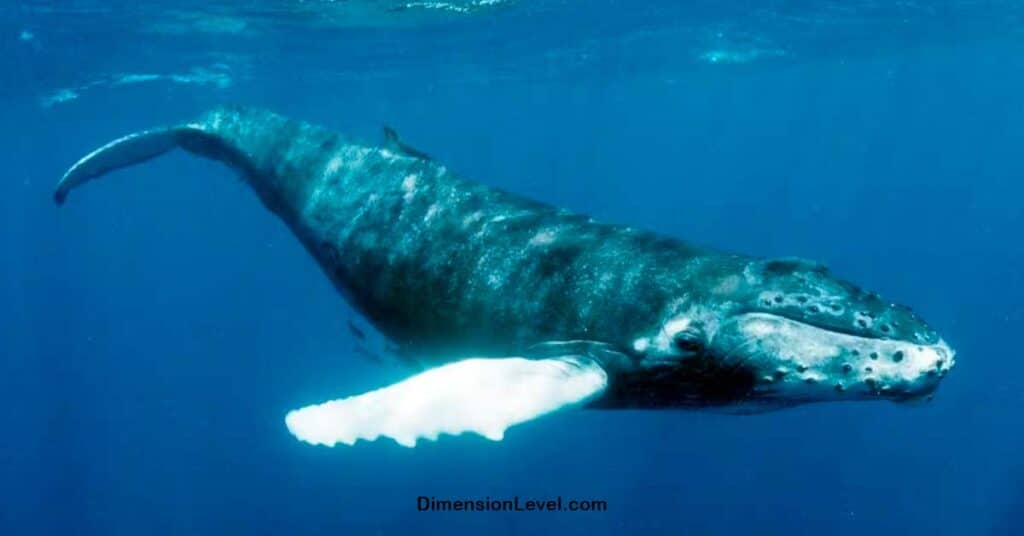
[266,148]
[245,139]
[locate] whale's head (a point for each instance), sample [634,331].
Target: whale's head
[773,333]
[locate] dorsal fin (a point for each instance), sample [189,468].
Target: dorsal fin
[395,143]
[390,136]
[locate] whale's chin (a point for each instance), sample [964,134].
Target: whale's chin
[795,362]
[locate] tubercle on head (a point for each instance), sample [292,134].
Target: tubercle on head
[801,361]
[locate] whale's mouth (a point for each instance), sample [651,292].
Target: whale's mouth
[797,361]
[822,324]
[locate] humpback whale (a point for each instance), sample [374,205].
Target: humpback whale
[511,309]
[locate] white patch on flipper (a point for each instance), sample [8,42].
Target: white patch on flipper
[483,396]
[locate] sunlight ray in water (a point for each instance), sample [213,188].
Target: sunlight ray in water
[217,76]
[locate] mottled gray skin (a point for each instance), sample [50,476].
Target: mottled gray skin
[448,268]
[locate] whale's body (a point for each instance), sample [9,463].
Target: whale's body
[565,310]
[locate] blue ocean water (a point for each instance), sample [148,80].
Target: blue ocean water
[154,332]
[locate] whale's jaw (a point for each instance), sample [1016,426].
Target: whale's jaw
[797,362]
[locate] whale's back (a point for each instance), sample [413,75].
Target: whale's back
[443,266]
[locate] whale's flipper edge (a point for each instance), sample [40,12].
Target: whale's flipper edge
[478,395]
[122,152]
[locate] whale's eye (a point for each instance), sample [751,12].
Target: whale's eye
[687,345]
[688,341]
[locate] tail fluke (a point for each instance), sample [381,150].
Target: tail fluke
[249,141]
[127,151]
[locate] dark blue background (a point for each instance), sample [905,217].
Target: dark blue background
[155,330]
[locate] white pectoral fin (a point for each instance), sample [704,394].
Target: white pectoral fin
[483,396]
